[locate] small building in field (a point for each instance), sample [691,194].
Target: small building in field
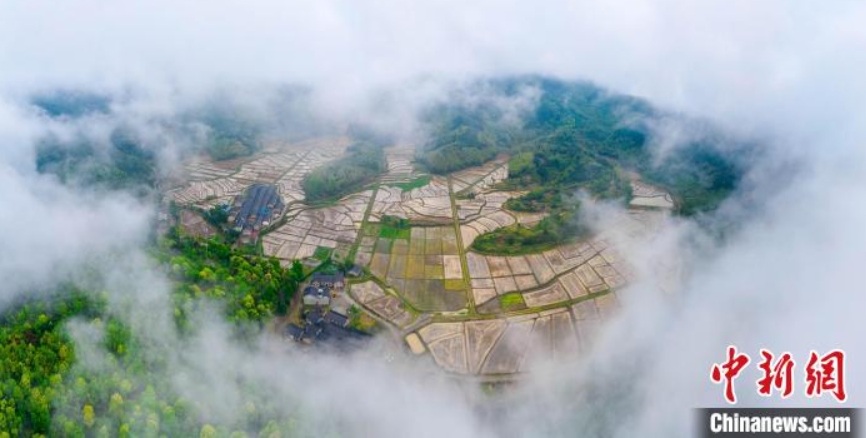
[356,271]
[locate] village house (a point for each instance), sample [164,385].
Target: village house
[317,295]
[331,281]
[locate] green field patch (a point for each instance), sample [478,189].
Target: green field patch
[454,284]
[512,301]
[448,233]
[415,287]
[392,227]
[416,183]
[322,253]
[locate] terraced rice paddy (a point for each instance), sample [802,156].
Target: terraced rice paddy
[647,196]
[482,178]
[212,182]
[425,269]
[309,228]
[428,204]
[421,279]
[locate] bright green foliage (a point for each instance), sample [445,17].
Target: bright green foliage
[88,415]
[416,183]
[253,287]
[34,356]
[518,239]
[322,253]
[392,227]
[511,301]
[41,392]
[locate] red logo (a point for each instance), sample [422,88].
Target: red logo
[823,374]
[826,373]
[779,376]
[729,371]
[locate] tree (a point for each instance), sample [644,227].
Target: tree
[207,431]
[88,415]
[115,404]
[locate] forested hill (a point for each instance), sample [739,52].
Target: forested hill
[577,135]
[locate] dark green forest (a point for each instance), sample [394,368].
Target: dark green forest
[555,229]
[361,165]
[123,164]
[71,103]
[578,136]
[232,134]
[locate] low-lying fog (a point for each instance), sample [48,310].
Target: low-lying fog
[786,276]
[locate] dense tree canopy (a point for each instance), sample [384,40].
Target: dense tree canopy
[43,393]
[577,136]
[122,164]
[231,133]
[348,174]
[517,239]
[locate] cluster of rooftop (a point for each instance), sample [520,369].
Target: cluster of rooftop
[257,208]
[326,327]
[318,292]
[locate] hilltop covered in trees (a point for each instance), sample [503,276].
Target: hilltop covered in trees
[577,136]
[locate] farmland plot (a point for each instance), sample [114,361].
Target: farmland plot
[648,196]
[421,270]
[400,166]
[384,305]
[308,229]
[427,204]
[197,192]
[479,179]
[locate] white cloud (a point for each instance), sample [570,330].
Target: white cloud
[786,72]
